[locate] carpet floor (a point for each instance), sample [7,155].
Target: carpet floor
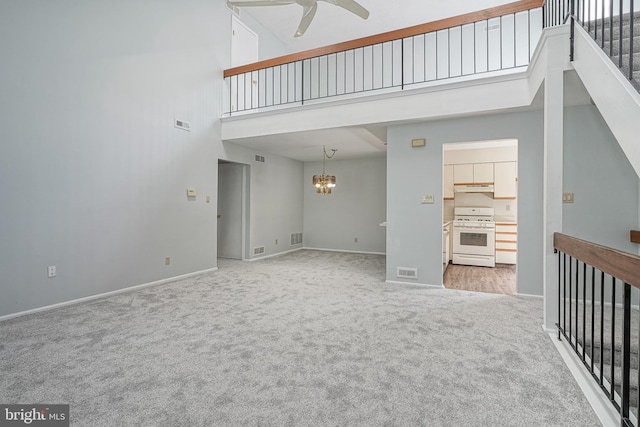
[305,339]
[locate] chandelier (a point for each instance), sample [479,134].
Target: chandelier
[324,183]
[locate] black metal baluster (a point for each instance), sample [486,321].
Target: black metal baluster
[610,28]
[593,309]
[402,64]
[572,32]
[559,290]
[501,53]
[577,304]
[570,297]
[613,335]
[601,328]
[620,36]
[602,41]
[564,286]
[631,36]
[584,309]
[626,350]
[301,83]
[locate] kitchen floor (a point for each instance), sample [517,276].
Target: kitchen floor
[498,280]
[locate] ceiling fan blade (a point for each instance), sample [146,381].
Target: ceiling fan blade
[352,6]
[251,3]
[308,12]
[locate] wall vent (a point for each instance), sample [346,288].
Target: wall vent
[234,9]
[183,125]
[407,273]
[259,159]
[259,250]
[296,239]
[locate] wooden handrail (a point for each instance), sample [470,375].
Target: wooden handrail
[621,265]
[441,24]
[634,235]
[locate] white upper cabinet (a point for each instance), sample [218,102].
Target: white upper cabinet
[483,173]
[473,173]
[447,186]
[505,186]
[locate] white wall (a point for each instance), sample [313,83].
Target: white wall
[414,230]
[355,208]
[604,183]
[93,174]
[276,203]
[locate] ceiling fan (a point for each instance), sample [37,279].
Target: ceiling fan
[309,8]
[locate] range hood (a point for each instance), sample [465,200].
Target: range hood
[473,188]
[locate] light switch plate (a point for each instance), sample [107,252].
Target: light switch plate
[427,199]
[192,192]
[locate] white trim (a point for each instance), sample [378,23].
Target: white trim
[529,296]
[601,406]
[106,294]
[345,250]
[419,285]
[273,255]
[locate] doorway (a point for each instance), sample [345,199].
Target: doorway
[232,209]
[481,176]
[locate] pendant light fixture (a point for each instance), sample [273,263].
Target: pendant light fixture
[324,183]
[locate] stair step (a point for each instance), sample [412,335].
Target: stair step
[625,46]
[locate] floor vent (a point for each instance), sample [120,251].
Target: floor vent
[258,251]
[259,159]
[183,125]
[407,273]
[296,239]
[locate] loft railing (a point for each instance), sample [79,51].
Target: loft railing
[611,23]
[598,300]
[500,38]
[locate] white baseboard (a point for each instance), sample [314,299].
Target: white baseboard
[273,255]
[105,294]
[599,402]
[421,285]
[345,250]
[529,295]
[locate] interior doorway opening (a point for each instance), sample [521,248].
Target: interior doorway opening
[480,216]
[233,207]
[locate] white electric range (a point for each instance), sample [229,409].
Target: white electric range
[474,238]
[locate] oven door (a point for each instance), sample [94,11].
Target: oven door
[474,241]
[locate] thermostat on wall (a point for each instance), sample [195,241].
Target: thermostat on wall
[192,192]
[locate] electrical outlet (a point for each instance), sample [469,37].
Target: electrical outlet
[51,271]
[167,260]
[567,197]
[208,198]
[427,199]
[276,241]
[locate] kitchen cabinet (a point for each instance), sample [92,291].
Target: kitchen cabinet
[506,242]
[505,184]
[447,182]
[473,173]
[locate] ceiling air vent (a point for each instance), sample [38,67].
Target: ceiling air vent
[183,125]
[407,273]
[259,250]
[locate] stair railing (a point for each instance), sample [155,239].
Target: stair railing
[490,40]
[591,280]
[602,19]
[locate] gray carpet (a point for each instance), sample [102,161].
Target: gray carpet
[306,339]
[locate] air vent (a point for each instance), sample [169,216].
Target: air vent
[234,9]
[296,239]
[259,250]
[183,125]
[259,159]
[407,273]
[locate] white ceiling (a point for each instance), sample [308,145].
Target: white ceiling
[332,24]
